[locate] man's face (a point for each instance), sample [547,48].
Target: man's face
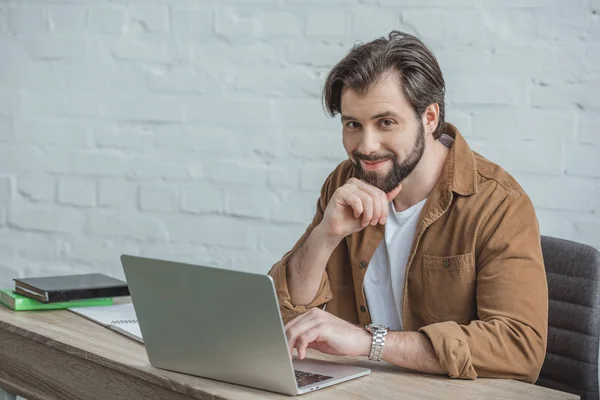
[381,133]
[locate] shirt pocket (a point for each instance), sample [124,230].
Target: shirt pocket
[449,287]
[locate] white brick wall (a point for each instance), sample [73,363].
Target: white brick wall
[194,130]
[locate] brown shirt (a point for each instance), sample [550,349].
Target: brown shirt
[475,282]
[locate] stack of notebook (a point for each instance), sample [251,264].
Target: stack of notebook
[18,302]
[89,295]
[56,292]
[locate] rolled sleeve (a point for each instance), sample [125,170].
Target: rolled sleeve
[509,338]
[451,349]
[288,309]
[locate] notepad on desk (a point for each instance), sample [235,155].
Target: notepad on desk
[119,317]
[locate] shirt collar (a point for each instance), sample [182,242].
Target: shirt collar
[460,170]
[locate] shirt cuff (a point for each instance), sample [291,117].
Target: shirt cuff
[289,310]
[451,349]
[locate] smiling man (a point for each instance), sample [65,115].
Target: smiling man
[421,253]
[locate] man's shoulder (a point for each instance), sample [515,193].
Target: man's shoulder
[492,177]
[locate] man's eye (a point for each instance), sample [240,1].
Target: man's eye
[352,124]
[387,123]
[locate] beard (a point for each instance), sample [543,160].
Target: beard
[399,171]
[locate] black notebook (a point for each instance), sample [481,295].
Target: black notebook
[51,289]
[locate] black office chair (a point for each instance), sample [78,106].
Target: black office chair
[571,363]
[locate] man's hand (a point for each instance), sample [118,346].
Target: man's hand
[327,333]
[351,208]
[354,206]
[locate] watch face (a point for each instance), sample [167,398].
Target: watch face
[372,328]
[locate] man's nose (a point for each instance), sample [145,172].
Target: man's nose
[369,143]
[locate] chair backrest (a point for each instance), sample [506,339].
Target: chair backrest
[573,272]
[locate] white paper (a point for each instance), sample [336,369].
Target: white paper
[118,317]
[132,330]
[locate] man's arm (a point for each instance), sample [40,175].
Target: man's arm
[412,350]
[325,332]
[352,207]
[300,277]
[509,338]
[307,265]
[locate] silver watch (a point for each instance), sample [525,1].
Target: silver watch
[379,333]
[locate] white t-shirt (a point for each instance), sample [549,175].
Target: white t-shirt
[384,280]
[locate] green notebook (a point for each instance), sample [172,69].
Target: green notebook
[18,302]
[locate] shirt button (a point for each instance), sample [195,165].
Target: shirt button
[446,263]
[362,265]
[363,309]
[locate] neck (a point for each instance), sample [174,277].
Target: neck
[420,183]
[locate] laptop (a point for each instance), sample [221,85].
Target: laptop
[223,325]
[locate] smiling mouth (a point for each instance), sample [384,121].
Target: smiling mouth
[373,165]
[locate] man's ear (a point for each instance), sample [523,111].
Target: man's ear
[430,118]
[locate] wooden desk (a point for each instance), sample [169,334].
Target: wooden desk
[60,355]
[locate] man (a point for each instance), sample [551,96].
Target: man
[415,232]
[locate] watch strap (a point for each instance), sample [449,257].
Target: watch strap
[379,333]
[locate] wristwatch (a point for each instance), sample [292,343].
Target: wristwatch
[379,333]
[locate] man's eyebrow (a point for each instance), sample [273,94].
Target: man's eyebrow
[386,114]
[380,115]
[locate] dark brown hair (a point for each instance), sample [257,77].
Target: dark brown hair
[420,76]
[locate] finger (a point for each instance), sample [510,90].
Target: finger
[351,199]
[296,320]
[380,209]
[367,202]
[377,209]
[385,210]
[288,328]
[392,195]
[373,190]
[372,200]
[379,199]
[306,339]
[291,324]
[302,326]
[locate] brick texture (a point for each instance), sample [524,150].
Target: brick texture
[195,130]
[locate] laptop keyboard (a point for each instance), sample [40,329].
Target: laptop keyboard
[306,378]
